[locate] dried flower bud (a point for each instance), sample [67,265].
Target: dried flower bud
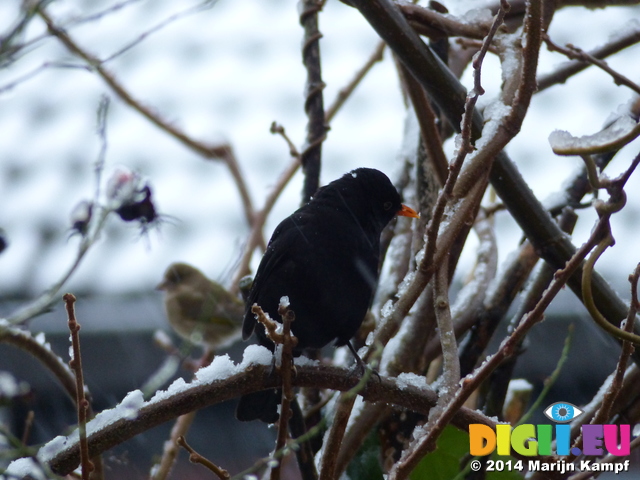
[130,198]
[122,187]
[140,207]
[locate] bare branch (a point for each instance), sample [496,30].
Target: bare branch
[567,70]
[424,445]
[260,217]
[220,151]
[42,352]
[162,469]
[286,370]
[314,104]
[82,404]
[195,457]
[436,25]
[576,53]
[451,363]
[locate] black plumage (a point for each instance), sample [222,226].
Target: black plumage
[324,257]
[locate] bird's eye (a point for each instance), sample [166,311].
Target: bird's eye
[387,205]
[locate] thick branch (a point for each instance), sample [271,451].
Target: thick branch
[437,25]
[253,378]
[42,352]
[316,129]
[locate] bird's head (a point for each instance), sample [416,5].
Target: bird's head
[178,274]
[370,197]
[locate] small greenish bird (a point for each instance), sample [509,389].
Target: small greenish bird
[200,310]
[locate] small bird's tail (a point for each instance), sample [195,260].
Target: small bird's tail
[262,405]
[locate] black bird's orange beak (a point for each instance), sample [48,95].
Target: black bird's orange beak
[408,212]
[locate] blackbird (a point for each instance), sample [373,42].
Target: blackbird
[324,257]
[198,309]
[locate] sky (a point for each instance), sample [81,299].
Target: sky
[224,74]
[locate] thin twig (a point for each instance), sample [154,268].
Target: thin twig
[391,321]
[82,404]
[421,447]
[32,10]
[575,53]
[180,429]
[28,424]
[286,367]
[604,413]
[220,151]
[260,217]
[195,457]
[617,200]
[100,14]
[532,40]
[48,298]
[429,131]
[465,147]
[159,26]
[94,229]
[170,452]
[498,20]
[517,91]
[208,151]
[101,130]
[278,129]
[568,69]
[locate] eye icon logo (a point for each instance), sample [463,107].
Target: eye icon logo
[562,412]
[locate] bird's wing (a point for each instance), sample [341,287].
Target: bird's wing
[277,257]
[208,307]
[190,303]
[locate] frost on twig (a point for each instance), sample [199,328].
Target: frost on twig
[614,136]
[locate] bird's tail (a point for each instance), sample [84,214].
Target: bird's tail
[262,405]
